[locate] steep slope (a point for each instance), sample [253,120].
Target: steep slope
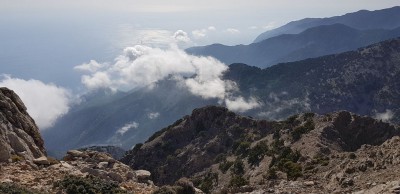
[313,42]
[224,152]
[122,120]
[379,19]
[363,81]
[19,135]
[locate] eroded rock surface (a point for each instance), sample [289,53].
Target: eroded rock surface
[19,135]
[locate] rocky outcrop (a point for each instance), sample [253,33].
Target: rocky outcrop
[19,135]
[114,151]
[77,165]
[223,152]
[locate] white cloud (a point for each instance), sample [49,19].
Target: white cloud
[201,33]
[181,36]
[45,102]
[153,115]
[142,66]
[239,104]
[212,28]
[97,80]
[385,116]
[127,127]
[233,31]
[197,34]
[92,66]
[277,106]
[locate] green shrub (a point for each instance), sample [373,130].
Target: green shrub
[16,158]
[238,181]
[276,134]
[271,174]
[11,188]
[90,185]
[225,165]
[241,147]
[238,167]
[309,115]
[165,190]
[321,160]
[291,120]
[257,153]
[297,132]
[207,182]
[352,156]
[293,170]
[220,158]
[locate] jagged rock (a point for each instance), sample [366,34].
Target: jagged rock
[309,183]
[76,154]
[18,131]
[347,182]
[102,165]
[142,175]
[41,161]
[116,152]
[115,177]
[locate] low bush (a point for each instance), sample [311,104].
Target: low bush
[238,181]
[257,153]
[11,188]
[89,185]
[238,167]
[225,165]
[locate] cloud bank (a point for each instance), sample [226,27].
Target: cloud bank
[143,66]
[44,102]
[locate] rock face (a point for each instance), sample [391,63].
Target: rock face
[19,135]
[223,152]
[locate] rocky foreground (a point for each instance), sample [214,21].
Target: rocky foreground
[90,170]
[25,168]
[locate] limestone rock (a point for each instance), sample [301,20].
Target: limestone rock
[41,161]
[18,131]
[142,175]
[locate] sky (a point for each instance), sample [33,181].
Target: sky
[66,47]
[232,21]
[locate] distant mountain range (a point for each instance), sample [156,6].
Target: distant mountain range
[309,38]
[363,20]
[364,81]
[313,42]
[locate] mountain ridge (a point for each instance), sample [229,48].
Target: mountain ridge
[362,19]
[312,42]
